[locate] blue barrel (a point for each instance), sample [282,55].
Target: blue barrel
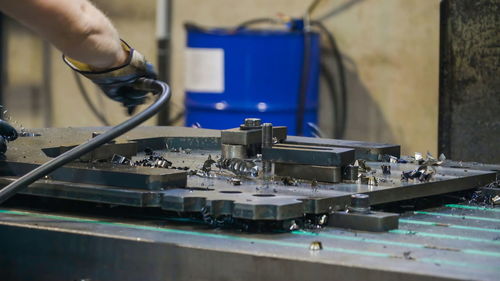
[249,73]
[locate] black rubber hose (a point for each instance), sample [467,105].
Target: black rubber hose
[327,76]
[248,23]
[154,86]
[87,100]
[304,84]
[340,66]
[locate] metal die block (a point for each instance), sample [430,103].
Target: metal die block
[325,205]
[309,172]
[229,151]
[372,221]
[363,150]
[248,137]
[308,155]
[269,207]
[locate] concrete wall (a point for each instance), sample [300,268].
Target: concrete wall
[390,48]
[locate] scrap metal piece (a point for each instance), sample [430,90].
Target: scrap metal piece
[207,165]
[120,160]
[309,172]
[229,151]
[308,155]
[289,181]
[373,221]
[495,200]
[363,179]
[442,157]
[419,158]
[386,169]
[372,180]
[155,161]
[235,181]
[423,173]
[362,167]
[363,150]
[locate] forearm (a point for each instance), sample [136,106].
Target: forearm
[75,27]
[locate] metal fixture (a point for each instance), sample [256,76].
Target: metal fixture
[267,142]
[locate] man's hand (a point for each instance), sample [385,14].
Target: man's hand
[117,82]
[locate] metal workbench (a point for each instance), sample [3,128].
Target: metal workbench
[454,242]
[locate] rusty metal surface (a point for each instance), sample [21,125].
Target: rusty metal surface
[469,123]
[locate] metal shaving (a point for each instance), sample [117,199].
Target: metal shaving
[155,161]
[495,200]
[207,165]
[120,160]
[386,169]
[289,181]
[235,181]
[423,174]
[362,167]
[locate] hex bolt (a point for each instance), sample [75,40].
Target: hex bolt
[360,203]
[252,122]
[267,141]
[267,135]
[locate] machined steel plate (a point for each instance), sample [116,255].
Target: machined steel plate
[235,203]
[106,175]
[363,150]
[308,155]
[215,191]
[248,137]
[330,174]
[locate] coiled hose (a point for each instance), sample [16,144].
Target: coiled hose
[154,86]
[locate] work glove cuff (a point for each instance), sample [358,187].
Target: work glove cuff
[117,82]
[135,65]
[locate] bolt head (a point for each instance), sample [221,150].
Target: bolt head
[252,122]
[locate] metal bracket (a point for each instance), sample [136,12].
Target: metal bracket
[373,221]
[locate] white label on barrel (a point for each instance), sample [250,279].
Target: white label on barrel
[204,70]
